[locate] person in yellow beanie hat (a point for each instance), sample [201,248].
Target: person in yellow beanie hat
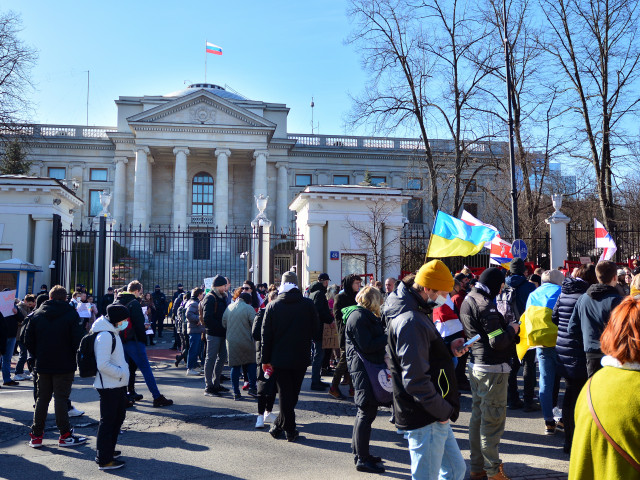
[436,278]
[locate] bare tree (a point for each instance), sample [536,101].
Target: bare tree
[594,46]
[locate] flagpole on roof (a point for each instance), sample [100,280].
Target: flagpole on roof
[205,60]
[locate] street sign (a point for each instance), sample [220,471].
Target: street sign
[334,255]
[519,249]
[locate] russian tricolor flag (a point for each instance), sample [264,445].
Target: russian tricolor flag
[215,49]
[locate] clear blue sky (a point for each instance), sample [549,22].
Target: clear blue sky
[277,51]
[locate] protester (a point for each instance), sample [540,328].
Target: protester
[622,286]
[318,295]
[25,307]
[107,299]
[52,337]
[237,320]
[290,323]
[182,328]
[160,310]
[490,366]
[11,325]
[111,383]
[148,310]
[389,286]
[43,290]
[365,340]
[195,329]
[592,311]
[214,305]
[266,386]
[609,403]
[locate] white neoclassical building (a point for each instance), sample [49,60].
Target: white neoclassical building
[199,156]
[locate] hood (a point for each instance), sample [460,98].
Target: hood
[515,281]
[317,287]
[348,311]
[599,291]
[55,308]
[347,284]
[126,298]
[292,296]
[574,285]
[102,325]
[403,300]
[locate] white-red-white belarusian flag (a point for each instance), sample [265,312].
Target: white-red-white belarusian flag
[605,241]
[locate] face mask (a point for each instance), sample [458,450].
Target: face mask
[440,300]
[123,325]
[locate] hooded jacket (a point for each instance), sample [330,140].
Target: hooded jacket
[238,321]
[344,299]
[591,315]
[193,317]
[53,336]
[364,334]
[424,381]
[213,306]
[136,330]
[318,295]
[113,370]
[290,322]
[571,362]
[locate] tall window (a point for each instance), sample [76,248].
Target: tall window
[94,203]
[202,195]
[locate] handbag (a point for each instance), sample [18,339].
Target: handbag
[611,441]
[380,380]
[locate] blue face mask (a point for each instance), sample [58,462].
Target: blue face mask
[123,325]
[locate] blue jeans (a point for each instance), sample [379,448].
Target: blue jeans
[547,362]
[137,352]
[316,362]
[195,340]
[6,359]
[435,453]
[235,377]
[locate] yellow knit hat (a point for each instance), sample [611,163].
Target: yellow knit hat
[634,291]
[435,275]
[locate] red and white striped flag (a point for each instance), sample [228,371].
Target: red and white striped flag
[605,241]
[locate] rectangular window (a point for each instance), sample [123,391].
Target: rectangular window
[472,208]
[160,244]
[414,210]
[341,179]
[473,186]
[98,175]
[375,181]
[414,184]
[94,203]
[5,254]
[58,173]
[303,180]
[201,246]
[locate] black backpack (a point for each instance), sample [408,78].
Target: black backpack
[508,306]
[86,355]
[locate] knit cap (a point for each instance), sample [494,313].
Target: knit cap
[435,275]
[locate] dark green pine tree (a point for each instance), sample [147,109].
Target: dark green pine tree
[367,178]
[14,160]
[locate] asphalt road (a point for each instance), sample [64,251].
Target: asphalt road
[205,437]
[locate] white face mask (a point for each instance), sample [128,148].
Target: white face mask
[440,300]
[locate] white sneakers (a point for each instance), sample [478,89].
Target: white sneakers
[269,417]
[194,371]
[260,422]
[74,412]
[22,377]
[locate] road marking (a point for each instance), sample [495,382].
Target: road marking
[236,415]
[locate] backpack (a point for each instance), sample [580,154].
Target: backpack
[86,355]
[508,306]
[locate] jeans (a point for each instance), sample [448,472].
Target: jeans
[216,358]
[22,358]
[341,370]
[435,453]
[547,362]
[195,340]
[137,352]
[362,430]
[289,382]
[58,386]
[6,359]
[235,377]
[528,375]
[316,361]
[488,416]
[113,405]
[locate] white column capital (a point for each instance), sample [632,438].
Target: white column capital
[144,149]
[222,151]
[316,223]
[280,165]
[184,150]
[123,160]
[258,153]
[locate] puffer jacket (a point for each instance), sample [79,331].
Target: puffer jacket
[571,362]
[364,334]
[113,370]
[193,318]
[344,299]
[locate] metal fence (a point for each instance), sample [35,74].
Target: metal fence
[581,242]
[164,256]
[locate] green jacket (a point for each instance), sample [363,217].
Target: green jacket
[614,394]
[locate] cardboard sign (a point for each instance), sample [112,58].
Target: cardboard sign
[7,302]
[330,338]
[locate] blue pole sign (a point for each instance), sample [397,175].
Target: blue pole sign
[519,249]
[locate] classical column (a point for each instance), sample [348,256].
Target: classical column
[149,204]
[282,200]
[120,190]
[221,189]
[42,247]
[260,175]
[180,188]
[140,187]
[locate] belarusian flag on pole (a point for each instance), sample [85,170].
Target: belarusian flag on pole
[605,241]
[215,49]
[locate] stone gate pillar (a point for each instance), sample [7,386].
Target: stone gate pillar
[558,233]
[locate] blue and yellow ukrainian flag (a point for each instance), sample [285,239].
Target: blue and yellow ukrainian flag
[536,326]
[452,237]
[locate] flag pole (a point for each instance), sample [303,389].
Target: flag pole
[426,255]
[205,60]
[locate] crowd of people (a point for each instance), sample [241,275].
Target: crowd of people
[413,344]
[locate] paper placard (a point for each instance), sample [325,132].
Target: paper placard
[585,260]
[149,332]
[208,283]
[7,302]
[84,310]
[330,337]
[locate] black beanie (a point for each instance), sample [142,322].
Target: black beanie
[43,297]
[492,278]
[246,297]
[219,281]
[116,313]
[516,266]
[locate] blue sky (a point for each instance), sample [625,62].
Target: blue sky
[278,51]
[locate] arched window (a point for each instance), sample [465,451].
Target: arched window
[202,195]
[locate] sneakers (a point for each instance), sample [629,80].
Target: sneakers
[245,386]
[336,393]
[193,372]
[112,465]
[22,376]
[369,467]
[260,421]
[136,396]
[117,454]
[212,392]
[36,441]
[11,383]
[161,401]
[500,475]
[550,427]
[275,431]
[74,412]
[252,392]
[269,417]
[71,440]
[560,425]
[237,396]
[292,436]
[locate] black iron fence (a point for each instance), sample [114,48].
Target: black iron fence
[581,242]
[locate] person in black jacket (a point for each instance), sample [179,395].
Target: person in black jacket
[160,304]
[318,295]
[52,337]
[350,285]
[364,338]
[290,323]
[12,324]
[213,306]
[106,300]
[133,341]
[266,386]
[571,360]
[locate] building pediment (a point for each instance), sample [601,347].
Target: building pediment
[201,108]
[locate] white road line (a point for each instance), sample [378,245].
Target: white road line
[236,415]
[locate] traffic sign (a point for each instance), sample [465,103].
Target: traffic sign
[519,249]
